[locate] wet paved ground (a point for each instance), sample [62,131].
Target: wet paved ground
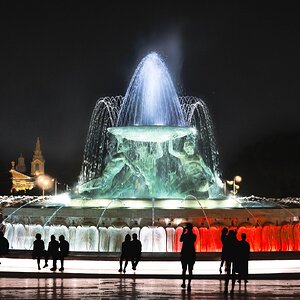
[131,288]
[20,279]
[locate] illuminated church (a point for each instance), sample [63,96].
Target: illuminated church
[21,181]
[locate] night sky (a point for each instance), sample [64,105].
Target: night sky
[241,57]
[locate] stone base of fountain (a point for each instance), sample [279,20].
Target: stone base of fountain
[120,216]
[102,228]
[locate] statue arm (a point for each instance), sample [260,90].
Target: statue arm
[173,152]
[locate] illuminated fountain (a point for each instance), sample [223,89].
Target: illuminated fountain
[150,165]
[152,143]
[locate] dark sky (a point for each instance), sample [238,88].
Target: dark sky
[241,57]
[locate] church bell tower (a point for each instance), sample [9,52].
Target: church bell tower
[20,167]
[38,162]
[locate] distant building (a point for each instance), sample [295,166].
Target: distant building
[38,162]
[20,167]
[21,181]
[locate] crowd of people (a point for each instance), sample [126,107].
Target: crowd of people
[234,256]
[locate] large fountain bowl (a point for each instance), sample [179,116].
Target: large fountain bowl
[157,133]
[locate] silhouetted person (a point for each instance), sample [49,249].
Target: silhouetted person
[125,252]
[188,253]
[243,259]
[53,247]
[230,256]
[63,251]
[38,249]
[223,240]
[136,250]
[4,245]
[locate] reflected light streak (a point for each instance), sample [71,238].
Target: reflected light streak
[148,267]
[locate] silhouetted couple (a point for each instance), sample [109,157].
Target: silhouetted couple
[236,256]
[56,250]
[131,250]
[188,254]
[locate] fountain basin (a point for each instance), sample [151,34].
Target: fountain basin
[90,229]
[155,133]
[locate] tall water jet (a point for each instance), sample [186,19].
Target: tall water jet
[151,111]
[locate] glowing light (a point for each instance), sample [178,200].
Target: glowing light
[45,182]
[137,204]
[61,199]
[238,178]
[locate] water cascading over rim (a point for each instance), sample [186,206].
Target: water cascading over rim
[151,111]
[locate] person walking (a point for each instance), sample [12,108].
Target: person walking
[243,259]
[135,251]
[63,251]
[188,254]
[230,256]
[125,252]
[223,240]
[4,244]
[53,247]
[38,249]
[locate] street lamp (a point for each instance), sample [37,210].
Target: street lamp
[54,180]
[44,182]
[235,186]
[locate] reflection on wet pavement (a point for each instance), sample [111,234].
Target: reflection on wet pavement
[131,288]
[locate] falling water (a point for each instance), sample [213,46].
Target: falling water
[197,115]
[151,98]
[17,209]
[287,210]
[202,208]
[104,210]
[204,213]
[156,239]
[54,214]
[97,144]
[153,217]
[249,212]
